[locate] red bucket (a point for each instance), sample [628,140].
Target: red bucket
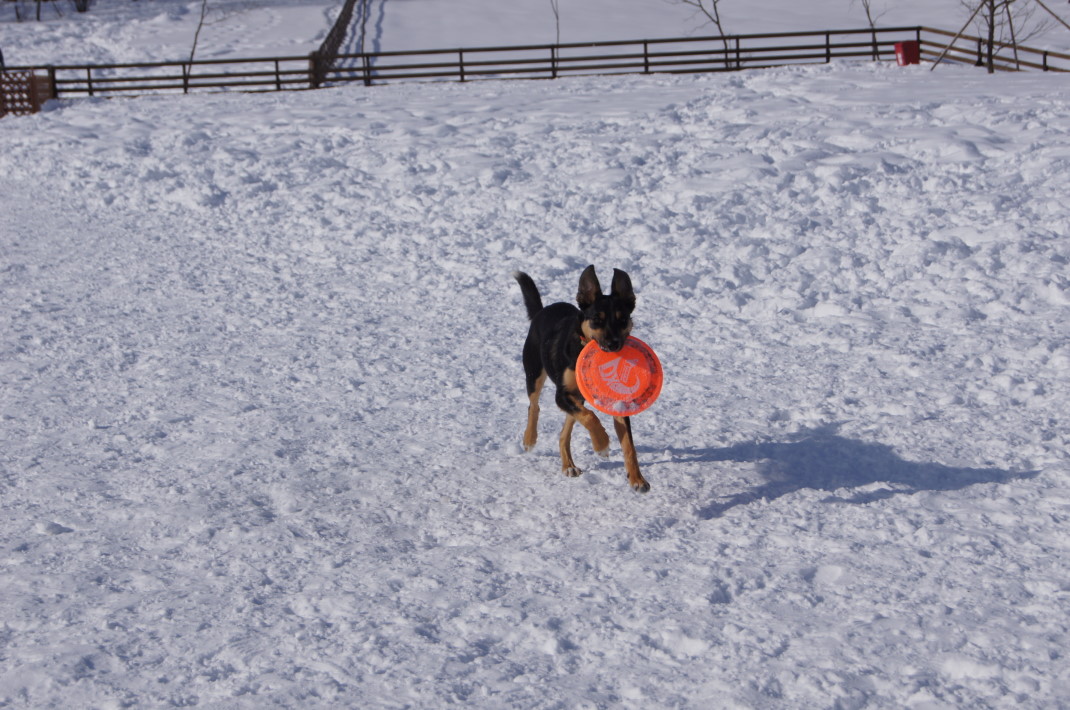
[907,53]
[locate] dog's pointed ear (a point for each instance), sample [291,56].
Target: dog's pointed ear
[590,289]
[622,287]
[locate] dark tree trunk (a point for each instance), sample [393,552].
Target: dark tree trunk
[991,36]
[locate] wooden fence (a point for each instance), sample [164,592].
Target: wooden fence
[549,61]
[679,55]
[973,50]
[23,92]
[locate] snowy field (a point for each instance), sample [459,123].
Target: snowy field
[116,31]
[262,398]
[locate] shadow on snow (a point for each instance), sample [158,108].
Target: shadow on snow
[821,460]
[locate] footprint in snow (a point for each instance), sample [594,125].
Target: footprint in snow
[53,529]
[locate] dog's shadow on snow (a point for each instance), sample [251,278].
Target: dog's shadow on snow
[822,460]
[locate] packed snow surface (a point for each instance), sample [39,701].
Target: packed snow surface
[262,398]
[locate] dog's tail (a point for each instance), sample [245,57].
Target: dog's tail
[532,299]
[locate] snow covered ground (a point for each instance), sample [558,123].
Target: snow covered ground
[163,30]
[118,31]
[262,400]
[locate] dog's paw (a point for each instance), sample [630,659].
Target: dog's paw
[572,472]
[604,453]
[640,486]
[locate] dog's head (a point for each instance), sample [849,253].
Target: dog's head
[606,319]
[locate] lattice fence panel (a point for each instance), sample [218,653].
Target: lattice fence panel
[22,93]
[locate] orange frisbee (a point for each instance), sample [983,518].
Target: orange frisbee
[621,383]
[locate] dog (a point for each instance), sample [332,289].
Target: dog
[557,334]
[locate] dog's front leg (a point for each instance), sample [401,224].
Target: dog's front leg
[571,401]
[599,437]
[623,426]
[568,466]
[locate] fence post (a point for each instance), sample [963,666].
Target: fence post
[35,99]
[317,69]
[646,57]
[367,62]
[828,48]
[460,62]
[52,86]
[1045,60]
[980,52]
[278,77]
[322,64]
[553,62]
[89,79]
[186,70]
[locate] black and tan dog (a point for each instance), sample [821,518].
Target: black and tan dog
[558,332]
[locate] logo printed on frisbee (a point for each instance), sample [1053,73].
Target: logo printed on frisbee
[622,383]
[618,371]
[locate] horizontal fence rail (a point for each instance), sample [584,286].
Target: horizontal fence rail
[270,74]
[546,61]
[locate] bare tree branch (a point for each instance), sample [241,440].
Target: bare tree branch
[200,25]
[555,5]
[1004,22]
[709,8]
[871,17]
[712,11]
[1050,12]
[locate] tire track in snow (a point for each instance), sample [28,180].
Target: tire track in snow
[357,39]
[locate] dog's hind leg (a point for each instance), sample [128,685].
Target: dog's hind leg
[534,377]
[623,426]
[531,433]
